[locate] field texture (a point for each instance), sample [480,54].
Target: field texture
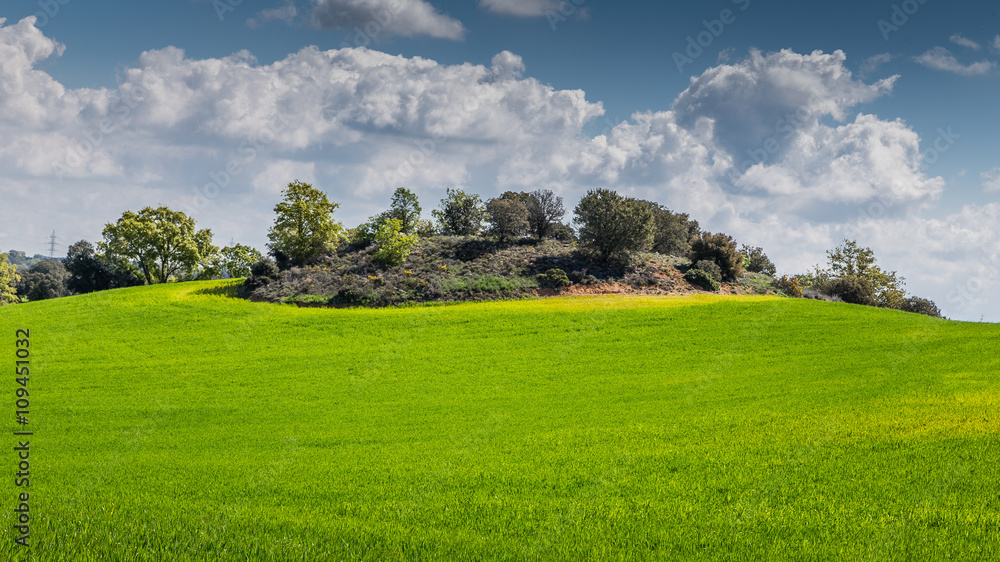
[175,423]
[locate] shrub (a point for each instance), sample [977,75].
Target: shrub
[921,306]
[755,261]
[614,226]
[674,231]
[261,273]
[563,233]
[851,289]
[554,278]
[393,245]
[719,248]
[702,278]
[711,268]
[789,286]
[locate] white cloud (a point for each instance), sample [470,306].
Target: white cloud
[958,39]
[940,58]
[996,43]
[991,180]
[872,63]
[387,17]
[522,8]
[285,13]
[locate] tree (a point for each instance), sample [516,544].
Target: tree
[508,218]
[674,231]
[393,245]
[87,272]
[852,261]
[8,278]
[719,248]
[161,243]
[461,214]
[614,226]
[545,210]
[406,209]
[45,280]
[237,261]
[304,229]
[756,261]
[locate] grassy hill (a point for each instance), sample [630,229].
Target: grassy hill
[175,423]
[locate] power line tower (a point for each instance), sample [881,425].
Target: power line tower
[52,245]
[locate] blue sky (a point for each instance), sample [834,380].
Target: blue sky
[896,144]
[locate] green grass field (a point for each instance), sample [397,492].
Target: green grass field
[175,423]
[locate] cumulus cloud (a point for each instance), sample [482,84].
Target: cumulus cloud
[387,17]
[991,180]
[522,8]
[285,13]
[958,39]
[940,58]
[996,43]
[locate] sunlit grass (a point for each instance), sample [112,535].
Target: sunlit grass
[176,423]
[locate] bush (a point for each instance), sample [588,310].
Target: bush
[789,286]
[711,268]
[674,231]
[702,278]
[261,273]
[545,210]
[554,278]
[719,248]
[755,261]
[393,245]
[614,226]
[563,233]
[851,289]
[921,306]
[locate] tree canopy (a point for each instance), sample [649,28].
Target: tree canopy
[304,228]
[613,225]
[161,243]
[8,278]
[461,213]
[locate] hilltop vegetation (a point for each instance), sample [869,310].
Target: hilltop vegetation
[511,246]
[174,422]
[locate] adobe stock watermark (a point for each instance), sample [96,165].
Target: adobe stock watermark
[49,10]
[696,44]
[121,112]
[566,10]
[246,153]
[223,7]
[901,14]
[380,20]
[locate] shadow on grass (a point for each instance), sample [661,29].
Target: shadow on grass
[232,290]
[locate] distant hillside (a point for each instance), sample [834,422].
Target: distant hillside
[443,268]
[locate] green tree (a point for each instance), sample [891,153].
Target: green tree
[393,245]
[545,210]
[674,231]
[719,248]
[850,261]
[614,226]
[304,228]
[88,272]
[44,280]
[406,209]
[161,243]
[237,260]
[508,217]
[461,213]
[8,278]
[756,261]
